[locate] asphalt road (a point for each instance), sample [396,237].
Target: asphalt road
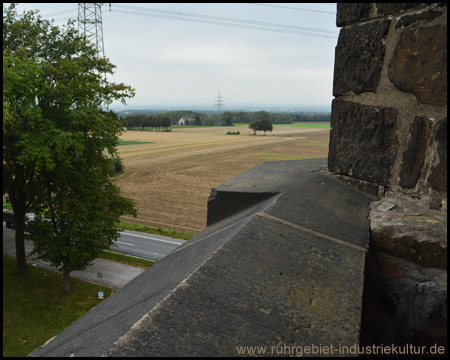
[115,275]
[147,246]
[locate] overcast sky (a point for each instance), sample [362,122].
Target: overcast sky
[173,61]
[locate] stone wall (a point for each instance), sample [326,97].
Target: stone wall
[389,133]
[389,115]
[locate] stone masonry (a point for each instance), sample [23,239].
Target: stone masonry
[389,129]
[389,117]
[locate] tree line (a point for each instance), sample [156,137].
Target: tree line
[163,121]
[141,122]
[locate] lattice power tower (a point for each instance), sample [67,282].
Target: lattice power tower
[218,102]
[90,24]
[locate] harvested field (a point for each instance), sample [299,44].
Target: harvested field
[171,178]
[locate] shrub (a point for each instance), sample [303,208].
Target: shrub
[118,166]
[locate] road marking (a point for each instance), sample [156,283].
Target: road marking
[146,237]
[120,242]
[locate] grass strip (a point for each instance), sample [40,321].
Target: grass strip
[157,231]
[297,124]
[126,259]
[7,206]
[35,308]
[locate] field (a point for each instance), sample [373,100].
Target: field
[170,177]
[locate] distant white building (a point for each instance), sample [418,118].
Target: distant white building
[182,121]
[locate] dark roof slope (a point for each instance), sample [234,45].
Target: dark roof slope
[284,272]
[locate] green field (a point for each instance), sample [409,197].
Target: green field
[298,124]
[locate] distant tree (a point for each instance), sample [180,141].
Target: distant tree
[227,118]
[260,125]
[255,126]
[198,121]
[140,120]
[266,125]
[118,165]
[165,122]
[157,121]
[152,121]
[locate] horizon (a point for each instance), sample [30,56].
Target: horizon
[228,107]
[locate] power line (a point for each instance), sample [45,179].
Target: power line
[293,8]
[59,13]
[219,18]
[251,24]
[231,25]
[223,21]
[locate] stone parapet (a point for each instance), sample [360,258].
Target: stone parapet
[282,274]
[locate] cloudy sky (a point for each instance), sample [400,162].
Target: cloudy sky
[185,53]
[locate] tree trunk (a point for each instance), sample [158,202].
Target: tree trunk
[66,275]
[21,265]
[18,205]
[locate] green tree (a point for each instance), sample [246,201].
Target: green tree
[198,121]
[265,125]
[254,125]
[260,125]
[23,132]
[165,122]
[58,143]
[227,118]
[80,220]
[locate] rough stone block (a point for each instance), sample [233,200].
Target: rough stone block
[438,176]
[413,19]
[419,65]
[395,8]
[414,155]
[359,58]
[363,141]
[413,235]
[351,12]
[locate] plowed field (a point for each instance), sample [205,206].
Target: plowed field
[171,178]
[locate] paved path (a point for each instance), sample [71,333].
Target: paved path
[115,275]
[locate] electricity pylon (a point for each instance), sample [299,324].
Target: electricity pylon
[90,24]
[218,102]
